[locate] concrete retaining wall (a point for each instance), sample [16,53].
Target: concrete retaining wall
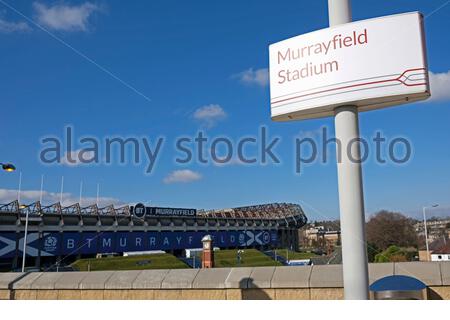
[305,282]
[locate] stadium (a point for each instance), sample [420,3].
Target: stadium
[55,233]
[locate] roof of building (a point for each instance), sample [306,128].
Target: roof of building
[445,249]
[438,244]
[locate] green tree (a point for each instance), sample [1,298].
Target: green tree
[394,254]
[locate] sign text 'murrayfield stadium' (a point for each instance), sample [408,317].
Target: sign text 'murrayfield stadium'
[370,64]
[309,69]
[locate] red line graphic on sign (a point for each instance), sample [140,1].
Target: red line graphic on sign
[398,79]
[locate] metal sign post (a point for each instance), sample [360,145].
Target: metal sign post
[351,200]
[340,71]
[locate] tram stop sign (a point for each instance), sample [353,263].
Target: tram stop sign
[371,64]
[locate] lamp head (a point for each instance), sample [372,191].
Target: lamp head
[8,167]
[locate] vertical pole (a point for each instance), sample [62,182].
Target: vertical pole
[24,249]
[81,192]
[339,12]
[351,203]
[20,187]
[42,188]
[61,191]
[351,200]
[98,191]
[426,233]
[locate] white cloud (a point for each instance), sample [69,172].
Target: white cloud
[258,77]
[440,86]
[182,176]
[77,157]
[209,115]
[64,17]
[29,196]
[311,134]
[10,27]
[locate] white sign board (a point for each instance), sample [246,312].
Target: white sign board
[372,64]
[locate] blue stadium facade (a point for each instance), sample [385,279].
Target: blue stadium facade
[56,233]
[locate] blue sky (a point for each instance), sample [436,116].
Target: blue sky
[171,68]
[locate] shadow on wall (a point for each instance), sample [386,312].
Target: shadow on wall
[433,295]
[251,291]
[12,292]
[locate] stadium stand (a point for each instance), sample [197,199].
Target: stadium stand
[56,231]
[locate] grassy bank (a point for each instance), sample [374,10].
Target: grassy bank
[250,258]
[153,261]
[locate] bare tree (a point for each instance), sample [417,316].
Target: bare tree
[387,228]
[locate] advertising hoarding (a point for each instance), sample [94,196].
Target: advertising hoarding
[73,243]
[140,210]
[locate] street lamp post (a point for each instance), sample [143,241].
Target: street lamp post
[9,167]
[24,241]
[425,228]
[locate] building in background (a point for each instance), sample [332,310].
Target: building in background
[325,236]
[441,254]
[439,250]
[436,228]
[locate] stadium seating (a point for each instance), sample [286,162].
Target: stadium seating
[264,211]
[271,211]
